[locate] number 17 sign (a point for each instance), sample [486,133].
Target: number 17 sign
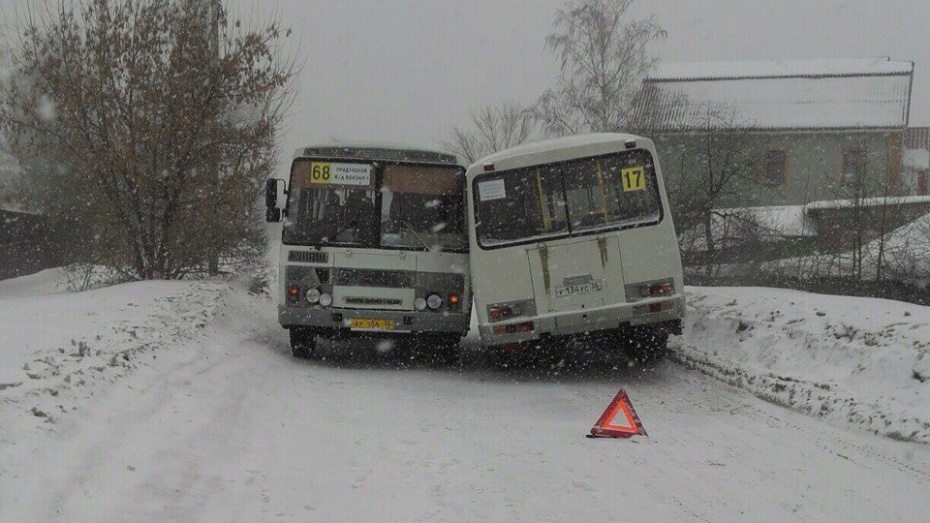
[634,179]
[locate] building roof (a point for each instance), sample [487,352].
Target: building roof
[871,93]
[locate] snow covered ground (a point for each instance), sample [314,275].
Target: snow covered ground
[180,402]
[853,361]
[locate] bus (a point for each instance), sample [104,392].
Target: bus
[373,244]
[572,238]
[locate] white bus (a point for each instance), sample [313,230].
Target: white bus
[374,244]
[573,237]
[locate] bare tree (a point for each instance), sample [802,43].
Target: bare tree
[493,128]
[146,132]
[714,167]
[603,58]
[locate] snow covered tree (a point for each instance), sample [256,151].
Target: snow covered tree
[603,56]
[148,127]
[493,128]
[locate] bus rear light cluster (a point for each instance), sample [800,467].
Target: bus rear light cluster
[526,326]
[500,312]
[659,307]
[656,290]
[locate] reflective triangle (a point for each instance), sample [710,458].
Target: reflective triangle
[619,420]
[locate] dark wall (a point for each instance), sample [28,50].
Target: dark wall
[25,246]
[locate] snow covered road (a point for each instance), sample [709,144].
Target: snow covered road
[226,426]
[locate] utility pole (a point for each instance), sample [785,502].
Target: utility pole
[213,9]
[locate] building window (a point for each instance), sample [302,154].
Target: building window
[776,168]
[853,167]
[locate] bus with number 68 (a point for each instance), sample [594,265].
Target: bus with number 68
[573,238]
[374,244]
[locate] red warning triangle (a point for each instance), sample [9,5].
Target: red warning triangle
[619,420]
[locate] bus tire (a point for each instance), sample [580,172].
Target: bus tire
[646,346]
[303,342]
[440,349]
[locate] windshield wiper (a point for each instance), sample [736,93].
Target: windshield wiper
[417,236]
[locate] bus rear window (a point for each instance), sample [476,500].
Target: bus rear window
[566,199]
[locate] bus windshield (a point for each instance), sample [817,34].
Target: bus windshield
[566,199]
[423,207]
[338,204]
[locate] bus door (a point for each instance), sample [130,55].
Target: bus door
[579,275]
[583,272]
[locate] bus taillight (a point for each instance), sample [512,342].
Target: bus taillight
[499,313]
[527,326]
[661,289]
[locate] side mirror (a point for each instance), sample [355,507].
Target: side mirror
[273,215]
[271,193]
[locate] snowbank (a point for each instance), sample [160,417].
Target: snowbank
[858,361]
[52,341]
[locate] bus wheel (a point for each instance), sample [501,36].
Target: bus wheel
[646,346]
[440,349]
[508,356]
[303,342]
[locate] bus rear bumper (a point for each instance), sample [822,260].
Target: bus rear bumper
[592,322]
[401,321]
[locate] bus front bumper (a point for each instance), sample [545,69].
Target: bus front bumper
[602,320]
[401,321]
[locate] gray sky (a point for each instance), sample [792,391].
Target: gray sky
[412,69]
[409,70]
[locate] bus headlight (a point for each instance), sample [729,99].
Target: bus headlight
[313,296]
[434,301]
[326,300]
[420,304]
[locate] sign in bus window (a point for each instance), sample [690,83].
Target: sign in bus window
[325,173]
[492,190]
[633,179]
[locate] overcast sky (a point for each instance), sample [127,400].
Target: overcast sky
[409,70]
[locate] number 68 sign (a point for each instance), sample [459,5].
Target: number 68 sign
[634,179]
[325,173]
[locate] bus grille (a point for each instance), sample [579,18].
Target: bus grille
[390,155]
[374,301]
[305,275]
[374,278]
[308,257]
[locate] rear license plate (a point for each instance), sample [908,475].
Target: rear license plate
[584,288]
[366,324]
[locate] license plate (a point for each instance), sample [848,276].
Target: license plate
[366,324]
[583,288]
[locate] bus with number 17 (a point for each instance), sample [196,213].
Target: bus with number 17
[573,238]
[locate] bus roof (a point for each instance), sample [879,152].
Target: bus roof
[389,151]
[559,149]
